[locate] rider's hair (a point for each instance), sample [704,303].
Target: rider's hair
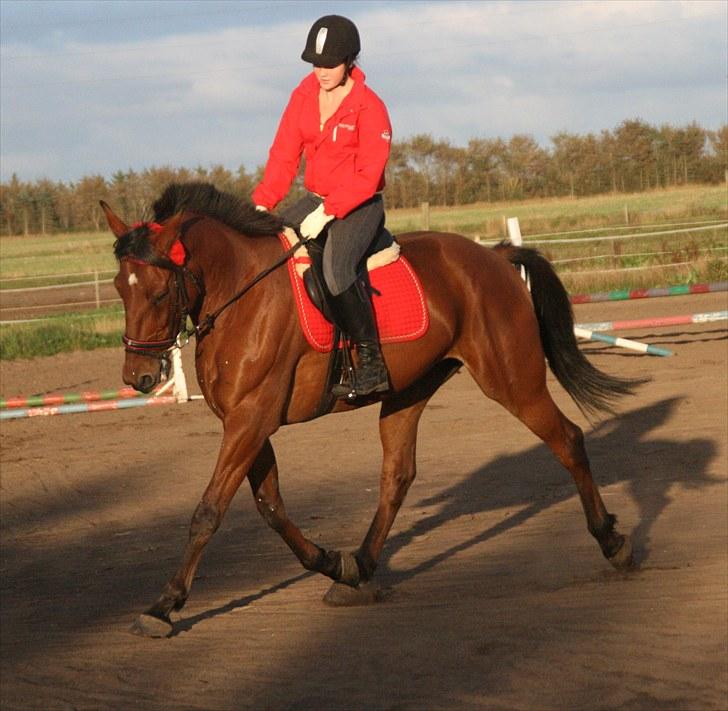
[349,63]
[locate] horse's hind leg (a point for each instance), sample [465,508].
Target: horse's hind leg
[524,393]
[566,441]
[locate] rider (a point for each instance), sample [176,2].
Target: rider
[343,129]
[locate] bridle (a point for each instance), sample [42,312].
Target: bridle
[179,334]
[177,330]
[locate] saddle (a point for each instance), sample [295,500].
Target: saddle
[383,246]
[398,300]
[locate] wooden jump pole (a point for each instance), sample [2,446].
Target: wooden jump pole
[73,408]
[655,322]
[621,342]
[625,294]
[67,398]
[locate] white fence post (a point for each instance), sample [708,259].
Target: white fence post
[514,235]
[178,375]
[514,231]
[425,215]
[97,289]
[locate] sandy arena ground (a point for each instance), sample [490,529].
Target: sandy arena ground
[501,599]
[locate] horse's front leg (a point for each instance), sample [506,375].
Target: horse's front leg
[263,478]
[240,448]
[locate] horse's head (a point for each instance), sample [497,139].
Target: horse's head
[153,283]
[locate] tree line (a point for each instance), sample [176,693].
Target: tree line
[633,157]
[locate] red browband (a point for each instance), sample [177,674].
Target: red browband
[153,226]
[177,253]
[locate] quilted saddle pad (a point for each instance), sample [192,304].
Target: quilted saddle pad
[399,303]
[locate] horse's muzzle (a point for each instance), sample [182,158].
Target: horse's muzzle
[143,374]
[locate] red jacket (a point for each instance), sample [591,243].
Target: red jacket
[344,162]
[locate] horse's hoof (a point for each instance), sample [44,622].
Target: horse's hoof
[340,595]
[350,574]
[150,626]
[623,559]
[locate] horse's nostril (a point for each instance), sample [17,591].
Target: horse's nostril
[145,383]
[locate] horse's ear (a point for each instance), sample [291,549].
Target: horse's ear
[170,232]
[117,225]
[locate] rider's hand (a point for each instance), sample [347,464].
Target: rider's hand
[261,208]
[314,222]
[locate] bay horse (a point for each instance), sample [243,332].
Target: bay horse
[257,371]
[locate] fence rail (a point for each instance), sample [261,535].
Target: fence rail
[92,282]
[603,238]
[587,272]
[627,255]
[57,306]
[57,276]
[627,227]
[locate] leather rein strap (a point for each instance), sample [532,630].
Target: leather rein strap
[208,322]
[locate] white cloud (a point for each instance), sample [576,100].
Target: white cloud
[455,69]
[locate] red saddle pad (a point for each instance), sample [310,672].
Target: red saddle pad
[399,305]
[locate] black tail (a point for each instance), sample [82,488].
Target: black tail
[592,390]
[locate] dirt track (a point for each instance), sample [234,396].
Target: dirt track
[501,598]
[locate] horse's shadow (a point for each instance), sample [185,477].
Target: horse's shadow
[620,451]
[187,623]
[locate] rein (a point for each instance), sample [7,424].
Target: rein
[208,323]
[180,334]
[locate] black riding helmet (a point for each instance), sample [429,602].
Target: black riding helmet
[332,40]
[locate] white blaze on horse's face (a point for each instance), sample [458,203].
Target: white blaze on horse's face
[133,279]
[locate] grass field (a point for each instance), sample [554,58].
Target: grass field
[39,259]
[585,266]
[71,332]
[486,220]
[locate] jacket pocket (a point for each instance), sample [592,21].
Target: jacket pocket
[345,133]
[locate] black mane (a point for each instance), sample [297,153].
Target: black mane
[206,199]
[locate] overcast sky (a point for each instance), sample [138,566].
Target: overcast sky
[92,87]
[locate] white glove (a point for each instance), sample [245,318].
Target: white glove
[260,208]
[314,222]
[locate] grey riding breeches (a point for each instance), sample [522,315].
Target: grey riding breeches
[348,238]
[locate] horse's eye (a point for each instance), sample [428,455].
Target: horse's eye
[159,298]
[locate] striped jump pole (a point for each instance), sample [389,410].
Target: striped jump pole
[625,294]
[621,342]
[655,322]
[94,406]
[68,398]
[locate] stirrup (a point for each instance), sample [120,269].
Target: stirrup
[352,391]
[369,378]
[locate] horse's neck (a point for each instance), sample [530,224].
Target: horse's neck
[227,261]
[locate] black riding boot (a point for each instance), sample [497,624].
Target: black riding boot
[355,317]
